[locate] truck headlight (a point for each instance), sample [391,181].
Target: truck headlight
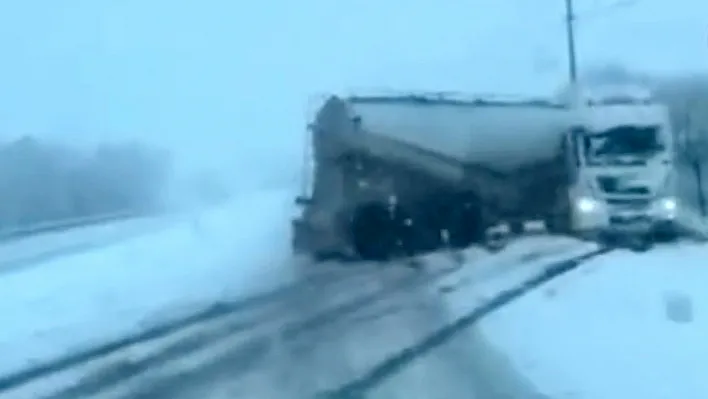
[668,204]
[585,204]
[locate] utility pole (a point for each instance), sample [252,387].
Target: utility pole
[570,32]
[572,67]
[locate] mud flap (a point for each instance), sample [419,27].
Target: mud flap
[309,241]
[302,238]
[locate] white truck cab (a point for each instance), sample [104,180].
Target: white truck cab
[623,173]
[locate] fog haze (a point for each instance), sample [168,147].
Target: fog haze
[225,84]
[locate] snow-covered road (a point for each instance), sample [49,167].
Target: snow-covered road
[345,329]
[69,303]
[318,337]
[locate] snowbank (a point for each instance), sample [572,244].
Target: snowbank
[625,325]
[33,250]
[79,301]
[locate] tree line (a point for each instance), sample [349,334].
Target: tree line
[44,182]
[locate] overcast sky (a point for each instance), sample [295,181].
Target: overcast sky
[230,79]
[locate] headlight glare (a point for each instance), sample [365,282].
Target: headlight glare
[585,204]
[669,204]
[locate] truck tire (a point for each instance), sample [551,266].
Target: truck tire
[427,222]
[558,223]
[374,233]
[419,235]
[665,233]
[517,227]
[641,242]
[465,225]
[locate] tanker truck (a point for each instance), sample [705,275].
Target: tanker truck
[399,175]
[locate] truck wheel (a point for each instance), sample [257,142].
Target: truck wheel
[373,233]
[665,233]
[558,223]
[466,227]
[641,243]
[516,227]
[428,221]
[419,237]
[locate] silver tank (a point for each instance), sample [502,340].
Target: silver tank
[500,134]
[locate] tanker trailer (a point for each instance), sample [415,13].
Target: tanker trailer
[401,175]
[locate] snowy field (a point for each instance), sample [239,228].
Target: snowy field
[78,301]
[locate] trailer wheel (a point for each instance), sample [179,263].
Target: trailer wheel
[419,234]
[558,223]
[641,243]
[665,233]
[517,227]
[465,226]
[374,232]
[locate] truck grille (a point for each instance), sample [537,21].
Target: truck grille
[629,203]
[611,185]
[616,219]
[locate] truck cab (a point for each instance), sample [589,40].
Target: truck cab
[624,173]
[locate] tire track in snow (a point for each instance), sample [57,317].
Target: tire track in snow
[237,357]
[249,348]
[242,354]
[358,388]
[326,275]
[216,311]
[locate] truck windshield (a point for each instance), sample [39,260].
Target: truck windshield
[623,144]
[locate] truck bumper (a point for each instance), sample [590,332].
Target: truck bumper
[605,220]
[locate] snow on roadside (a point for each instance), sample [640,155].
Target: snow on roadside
[520,261]
[22,252]
[624,325]
[79,301]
